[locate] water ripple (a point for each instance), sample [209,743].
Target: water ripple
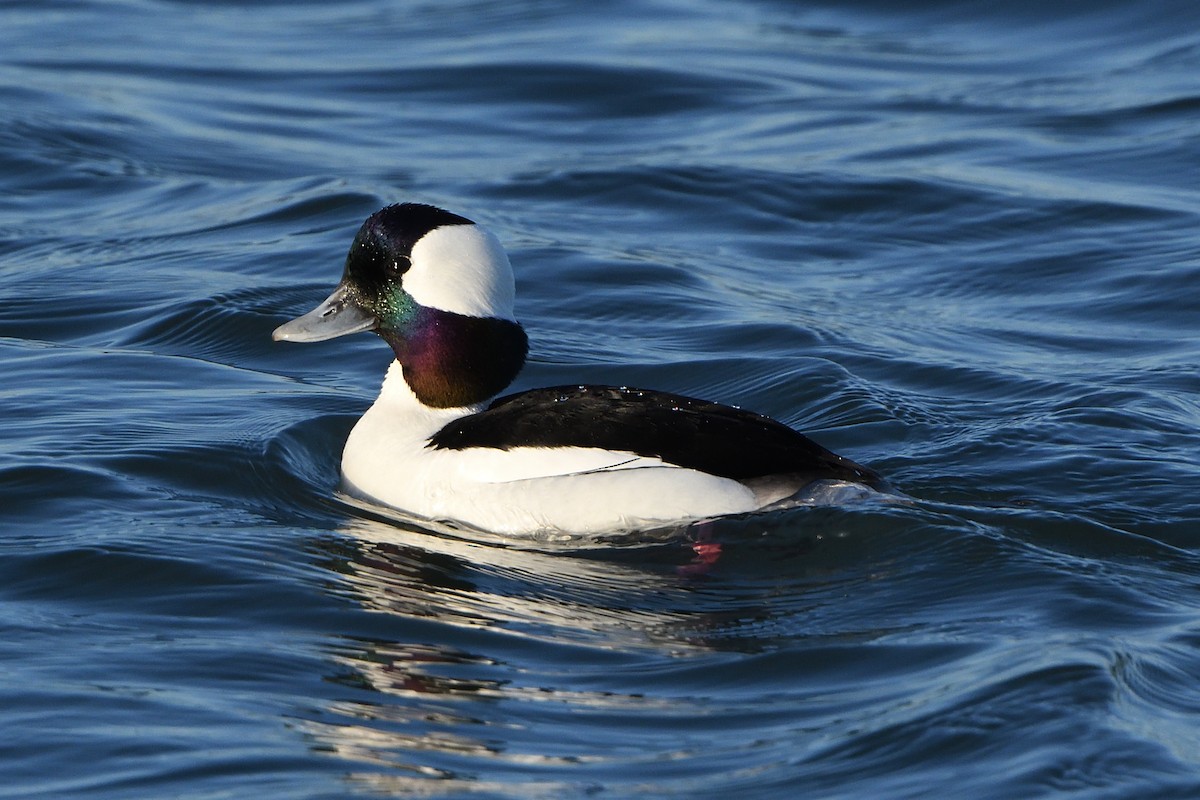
[955,243]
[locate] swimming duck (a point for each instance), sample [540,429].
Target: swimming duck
[439,289]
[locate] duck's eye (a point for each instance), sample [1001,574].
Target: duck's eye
[398,266]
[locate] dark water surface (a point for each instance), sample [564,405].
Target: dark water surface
[959,245]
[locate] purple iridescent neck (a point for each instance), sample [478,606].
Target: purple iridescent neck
[451,360]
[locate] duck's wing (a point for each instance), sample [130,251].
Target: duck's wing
[695,434]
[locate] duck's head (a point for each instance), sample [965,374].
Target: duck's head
[439,289]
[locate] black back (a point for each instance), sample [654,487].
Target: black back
[713,438]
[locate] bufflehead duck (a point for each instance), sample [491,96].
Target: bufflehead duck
[576,459]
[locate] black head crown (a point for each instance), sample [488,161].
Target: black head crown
[383,245]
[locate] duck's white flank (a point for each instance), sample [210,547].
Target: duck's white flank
[522,490]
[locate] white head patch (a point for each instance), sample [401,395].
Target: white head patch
[462,269]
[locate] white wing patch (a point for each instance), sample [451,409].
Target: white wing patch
[488,465]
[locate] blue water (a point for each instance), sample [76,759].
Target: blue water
[960,245]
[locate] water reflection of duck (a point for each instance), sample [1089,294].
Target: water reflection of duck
[473,634]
